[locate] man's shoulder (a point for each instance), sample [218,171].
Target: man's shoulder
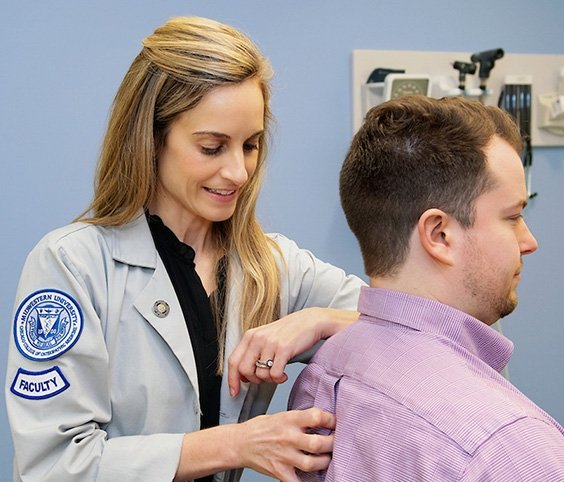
[426,375]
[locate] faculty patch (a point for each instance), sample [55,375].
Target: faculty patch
[39,385]
[47,324]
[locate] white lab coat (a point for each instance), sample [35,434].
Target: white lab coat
[131,383]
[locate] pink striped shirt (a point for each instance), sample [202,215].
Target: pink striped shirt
[417,393]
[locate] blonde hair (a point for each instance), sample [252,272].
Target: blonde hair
[179,64]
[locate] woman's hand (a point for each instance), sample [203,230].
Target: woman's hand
[276,445]
[281,341]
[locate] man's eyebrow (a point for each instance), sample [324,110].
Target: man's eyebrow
[520,204]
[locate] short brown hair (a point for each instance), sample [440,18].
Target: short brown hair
[412,154]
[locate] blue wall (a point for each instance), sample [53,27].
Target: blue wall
[61,62]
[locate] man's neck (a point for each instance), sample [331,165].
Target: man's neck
[412,286]
[440,290]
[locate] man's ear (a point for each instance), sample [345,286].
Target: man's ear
[436,231]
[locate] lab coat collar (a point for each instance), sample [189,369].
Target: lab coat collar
[133,243]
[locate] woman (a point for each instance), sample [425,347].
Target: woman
[128,318]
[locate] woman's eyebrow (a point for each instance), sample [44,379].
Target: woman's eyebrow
[211,133]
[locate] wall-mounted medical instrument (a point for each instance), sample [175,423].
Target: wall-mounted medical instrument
[379,74]
[486,61]
[464,68]
[479,75]
[466,85]
[551,109]
[516,99]
[397,85]
[446,85]
[385,83]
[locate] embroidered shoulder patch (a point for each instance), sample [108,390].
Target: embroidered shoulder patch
[48,322]
[39,385]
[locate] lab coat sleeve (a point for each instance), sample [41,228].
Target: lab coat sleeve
[306,281]
[61,437]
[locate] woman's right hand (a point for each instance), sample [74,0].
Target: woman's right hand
[276,445]
[281,341]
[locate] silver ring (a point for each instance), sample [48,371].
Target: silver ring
[264,364]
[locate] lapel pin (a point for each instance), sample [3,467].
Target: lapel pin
[161,308]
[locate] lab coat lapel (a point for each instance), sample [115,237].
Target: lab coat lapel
[170,326]
[133,245]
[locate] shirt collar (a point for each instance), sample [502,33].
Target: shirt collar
[433,317]
[166,240]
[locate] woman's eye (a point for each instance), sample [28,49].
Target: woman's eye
[249,147]
[211,151]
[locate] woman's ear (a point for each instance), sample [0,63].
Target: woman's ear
[436,230]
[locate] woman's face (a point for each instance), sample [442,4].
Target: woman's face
[209,153]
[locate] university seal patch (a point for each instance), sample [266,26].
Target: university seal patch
[48,322]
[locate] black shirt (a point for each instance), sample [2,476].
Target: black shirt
[178,259]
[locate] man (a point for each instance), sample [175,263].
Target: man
[434,191]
